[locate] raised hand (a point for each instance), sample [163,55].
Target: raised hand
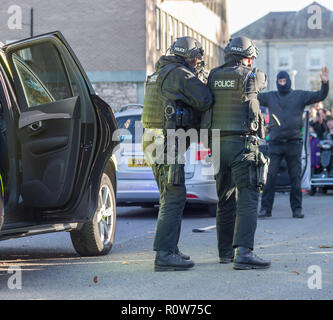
[325,74]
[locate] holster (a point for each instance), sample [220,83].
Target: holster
[262,169]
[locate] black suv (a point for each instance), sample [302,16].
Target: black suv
[56,147]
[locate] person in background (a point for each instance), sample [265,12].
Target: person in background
[286,141]
[319,124]
[329,124]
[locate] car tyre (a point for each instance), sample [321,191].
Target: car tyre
[96,237]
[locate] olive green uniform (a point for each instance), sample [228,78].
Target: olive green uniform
[237,114]
[174,81]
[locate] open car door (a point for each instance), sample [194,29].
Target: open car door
[57,124]
[306,153]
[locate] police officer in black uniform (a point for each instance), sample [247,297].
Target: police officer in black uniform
[236,113]
[174,99]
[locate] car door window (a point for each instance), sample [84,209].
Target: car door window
[43,76]
[34,90]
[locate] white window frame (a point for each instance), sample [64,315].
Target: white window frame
[170,30]
[164,32]
[158,29]
[181,30]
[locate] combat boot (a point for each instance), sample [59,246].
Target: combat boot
[245,259]
[226,260]
[227,257]
[298,213]
[182,255]
[170,261]
[264,214]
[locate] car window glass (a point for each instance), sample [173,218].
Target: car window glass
[43,74]
[129,123]
[34,90]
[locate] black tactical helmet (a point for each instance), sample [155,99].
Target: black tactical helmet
[241,46]
[187,47]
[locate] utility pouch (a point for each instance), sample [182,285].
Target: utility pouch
[184,116]
[176,174]
[251,144]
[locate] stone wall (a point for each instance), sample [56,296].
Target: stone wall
[117,94]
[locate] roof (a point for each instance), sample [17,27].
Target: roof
[289,25]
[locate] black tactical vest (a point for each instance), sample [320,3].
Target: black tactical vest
[154,101]
[231,108]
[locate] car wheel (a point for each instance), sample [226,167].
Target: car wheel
[96,237]
[212,210]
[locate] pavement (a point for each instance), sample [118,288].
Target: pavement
[301,252]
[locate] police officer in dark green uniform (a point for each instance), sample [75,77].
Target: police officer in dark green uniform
[174,99]
[242,168]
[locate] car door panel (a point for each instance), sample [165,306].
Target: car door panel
[49,157]
[55,112]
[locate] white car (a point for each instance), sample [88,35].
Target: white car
[136,183]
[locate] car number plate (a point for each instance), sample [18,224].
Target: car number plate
[138,163]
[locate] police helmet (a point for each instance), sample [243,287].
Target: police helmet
[241,46]
[187,47]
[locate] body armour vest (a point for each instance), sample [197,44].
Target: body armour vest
[154,102]
[231,109]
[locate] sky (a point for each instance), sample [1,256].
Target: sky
[241,13]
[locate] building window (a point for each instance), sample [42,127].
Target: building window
[185,31]
[315,58]
[164,32]
[171,34]
[284,58]
[180,30]
[175,31]
[158,29]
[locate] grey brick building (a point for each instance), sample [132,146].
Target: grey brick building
[118,42]
[298,42]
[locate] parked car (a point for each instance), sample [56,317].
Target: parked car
[136,183]
[56,148]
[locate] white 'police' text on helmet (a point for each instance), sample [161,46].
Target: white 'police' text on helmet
[241,46]
[187,47]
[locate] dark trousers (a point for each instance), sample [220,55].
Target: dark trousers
[172,203]
[236,217]
[292,152]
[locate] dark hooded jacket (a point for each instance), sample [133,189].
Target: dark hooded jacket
[289,108]
[182,84]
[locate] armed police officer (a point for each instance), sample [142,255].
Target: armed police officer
[286,141]
[174,99]
[236,113]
